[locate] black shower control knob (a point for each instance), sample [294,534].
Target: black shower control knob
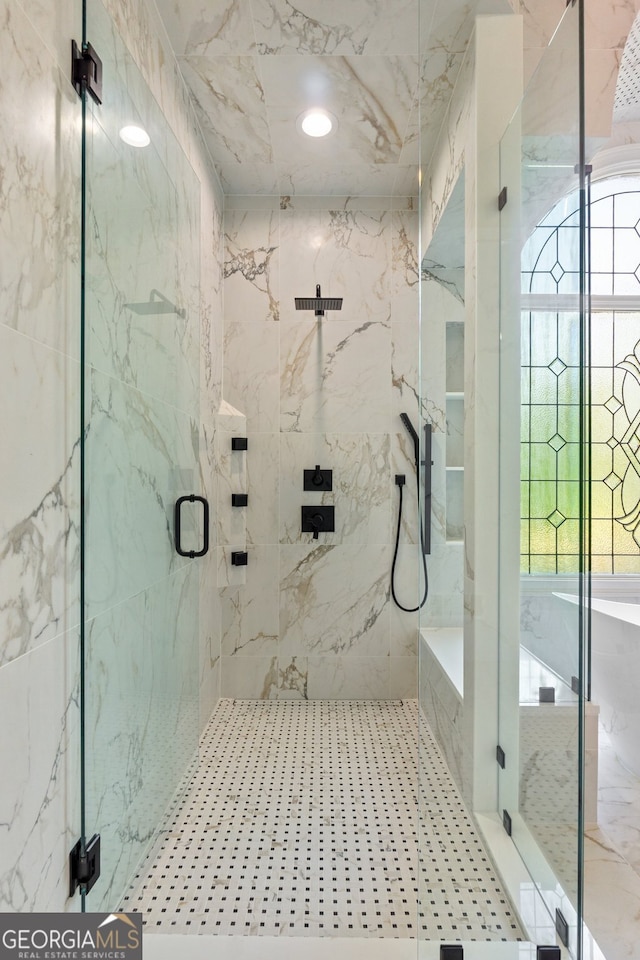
[318,518]
[318,479]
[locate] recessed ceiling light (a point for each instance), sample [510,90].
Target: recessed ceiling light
[316,122]
[135,136]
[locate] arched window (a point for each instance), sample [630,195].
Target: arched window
[550,381]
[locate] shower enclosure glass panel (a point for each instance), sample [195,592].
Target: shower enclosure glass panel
[141,422]
[542,482]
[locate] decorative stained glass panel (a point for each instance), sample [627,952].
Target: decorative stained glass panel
[550,419]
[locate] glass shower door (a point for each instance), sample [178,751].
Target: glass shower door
[542,487]
[141,429]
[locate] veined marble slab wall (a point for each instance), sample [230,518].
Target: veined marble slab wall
[39,489]
[315,618]
[40,499]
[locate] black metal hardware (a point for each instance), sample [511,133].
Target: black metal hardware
[575,684]
[239,499]
[239,558]
[428,463]
[502,199]
[547,952]
[451,951]
[506,822]
[562,927]
[500,756]
[86,71]
[84,868]
[400,479]
[318,519]
[546,695]
[318,479]
[192,498]
[239,443]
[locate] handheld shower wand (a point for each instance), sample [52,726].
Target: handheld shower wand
[414,436]
[406,420]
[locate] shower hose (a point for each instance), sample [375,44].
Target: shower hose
[400,484]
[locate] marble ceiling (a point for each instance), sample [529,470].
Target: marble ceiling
[253,66]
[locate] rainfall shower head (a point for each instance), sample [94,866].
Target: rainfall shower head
[156,304]
[318,303]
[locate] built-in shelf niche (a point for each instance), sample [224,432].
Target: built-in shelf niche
[455,432]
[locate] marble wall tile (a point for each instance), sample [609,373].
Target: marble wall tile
[540,20]
[252,265]
[250,679]
[251,367]
[56,30]
[446,161]
[445,718]
[209,631]
[132,260]
[548,625]
[365,27]
[140,458]
[404,260]
[348,252]
[404,626]
[403,678]
[348,678]
[230,575]
[404,371]
[360,465]
[612,892]
[243,178]
[142,695]
[263,472]
[293,678]
[239,130]
[138,26]
[231,472]
[326,178]
[39,490]
[440,70]
[39,753]
[373,123]
[250,614]
[39,188]
[403,463]
[208,31]
[333,376]
[334,408]
[333,602]
[444,606]
[211,312]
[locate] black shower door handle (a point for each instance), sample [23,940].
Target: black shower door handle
[192,498]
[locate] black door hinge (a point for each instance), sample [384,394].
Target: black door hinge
[84,868]
[502,199]
[500,756]
[506,822]
[86,71]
